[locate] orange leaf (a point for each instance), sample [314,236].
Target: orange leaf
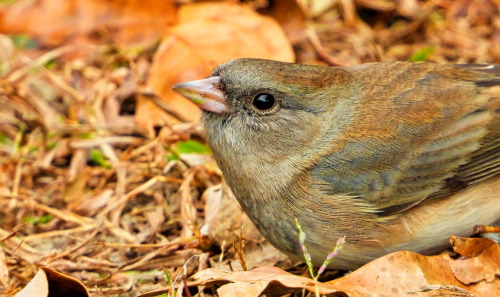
[48,282]
[257,281]
[483,265]
[54,22]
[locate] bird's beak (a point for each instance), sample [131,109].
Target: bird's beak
[205,93]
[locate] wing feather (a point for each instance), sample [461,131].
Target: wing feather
[454,152]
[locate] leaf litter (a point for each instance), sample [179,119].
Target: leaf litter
[99,183]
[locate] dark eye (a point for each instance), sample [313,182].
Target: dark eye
[264,101]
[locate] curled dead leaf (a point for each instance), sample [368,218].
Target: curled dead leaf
[401,272]
[48,282]
[482,262]
[253,283]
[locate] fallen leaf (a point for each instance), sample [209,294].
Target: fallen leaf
[483,265]
[48,282]
[401,272]
[396,274]
[290,16]
[272,280]
[469,247]
[90,203]
[54,22]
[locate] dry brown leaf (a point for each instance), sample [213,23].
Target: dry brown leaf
[148,116]
[396,274]
[210,34]
[91,203]
[290,16]
[469,247]
[255,282]
[393,275]
[54,22]
[37,287]
[261,254]
[483,263]
[213,202]
[188,210]
[48,282]
[401,272]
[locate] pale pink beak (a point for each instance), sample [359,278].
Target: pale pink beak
[205,93]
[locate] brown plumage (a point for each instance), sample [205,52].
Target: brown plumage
[393,155]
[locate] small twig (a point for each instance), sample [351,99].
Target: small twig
[145,245]
[77,247]
[320,50]
[39,62]
[239,245]
[181,272]
[222,248]
[137,262]
[96,142]
[453,291]
[163,105]
[165,291]
[70,217]
[12,233]
[48,234]
[17,177]
[481,229]
[151,182]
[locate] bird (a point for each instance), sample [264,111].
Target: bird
[392,155]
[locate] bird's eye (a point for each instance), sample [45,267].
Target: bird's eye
[264,101]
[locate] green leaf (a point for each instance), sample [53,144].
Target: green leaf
[168,278]
[51,145]
[422,55]
[192,146]
[32,149]
[46,219]
[172,156]
[85,135]
[38,220]
[436,18]
[30,220]
[4,139]
[98,158]
[50,64]
[23,41]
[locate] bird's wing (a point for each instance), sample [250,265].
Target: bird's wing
[454,146]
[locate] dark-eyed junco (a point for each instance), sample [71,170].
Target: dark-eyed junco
[393,155]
